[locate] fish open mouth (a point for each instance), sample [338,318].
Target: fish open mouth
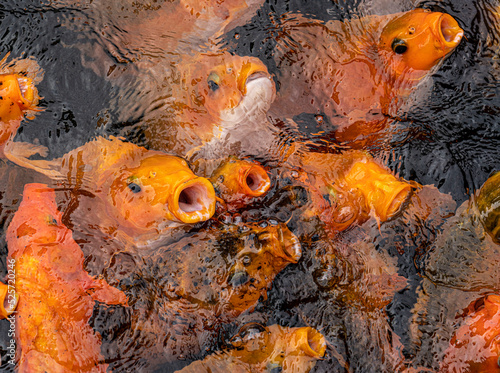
[311,341]
[194,201]
[449,30]
[255,181]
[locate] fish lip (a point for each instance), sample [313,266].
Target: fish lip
[449,31]
[254,175]
[193,201]
[256,76]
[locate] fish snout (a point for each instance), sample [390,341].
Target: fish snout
[310,342]
[254,181]
[193,201]
[449,31]
[284,244]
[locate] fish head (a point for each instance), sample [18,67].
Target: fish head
[264,250]
[418,40]
[276,348]
[160,192]
[239,181]
[18,94]
[230,88]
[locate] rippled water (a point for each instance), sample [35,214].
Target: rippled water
[380,302]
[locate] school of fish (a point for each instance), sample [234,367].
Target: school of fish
[179,248]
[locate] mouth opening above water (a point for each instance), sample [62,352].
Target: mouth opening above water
[257,181]
[191,199]
[449,29]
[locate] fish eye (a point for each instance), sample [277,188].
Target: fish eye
[135,188]
[399,46]
[213,81]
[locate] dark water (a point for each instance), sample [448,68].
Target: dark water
[455,145]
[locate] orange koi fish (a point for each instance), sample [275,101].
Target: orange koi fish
[209,279]
[358,72]
[346,188]
[262,251]
[18,96]
[238,182]
[475,347]
[142,192]
[56,294]
[221,102]
[259,349]
[487,204]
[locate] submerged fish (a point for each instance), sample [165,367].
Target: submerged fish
[475,346]
[183,292]
[259,349]
[136,192]
[358,72]
[460,267]
[18,96]
[220,102]
[56,294]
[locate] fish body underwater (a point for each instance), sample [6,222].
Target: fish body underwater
[56,294]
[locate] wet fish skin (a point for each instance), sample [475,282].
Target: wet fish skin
[346,188]
[138,194]
[359,72]
[288,350]
[238,182]
[474,346]
[180,304]
[56,294]
[219,101]
[18,96]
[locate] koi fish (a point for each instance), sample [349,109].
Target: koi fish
[266,349]
[238,182]
[210,278]
[56,295]
[358,72]
[143,193]
[487,204]
[346,188]
[474,346]
[220,103]
[18,96]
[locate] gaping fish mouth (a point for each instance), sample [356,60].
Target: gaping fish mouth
[450,32]
[194,201]
[255,181]
[311,341]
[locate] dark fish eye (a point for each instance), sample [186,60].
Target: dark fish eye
[135,188]
[399,46]
[213,81]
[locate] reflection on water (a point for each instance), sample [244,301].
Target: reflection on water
[327,156]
